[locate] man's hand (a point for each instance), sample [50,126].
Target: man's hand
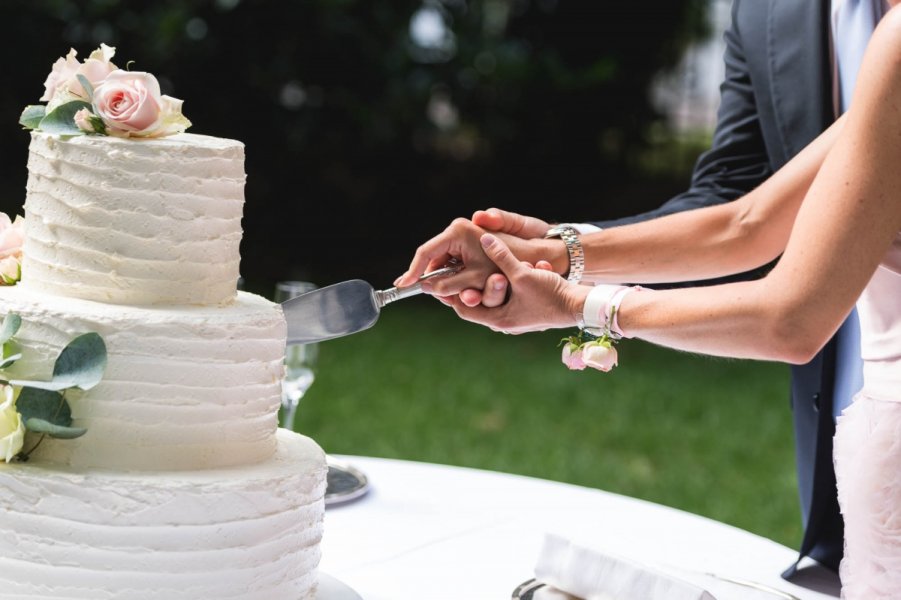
[539,298]
[480,282]
[460,240]
[511,223]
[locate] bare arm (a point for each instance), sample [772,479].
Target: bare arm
[849,217]
[847,222]
[713,241]
[698,244]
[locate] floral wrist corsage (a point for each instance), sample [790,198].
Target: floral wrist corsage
[587,350]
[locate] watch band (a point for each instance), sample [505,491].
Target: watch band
[573,244]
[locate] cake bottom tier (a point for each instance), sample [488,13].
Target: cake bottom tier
[243,532]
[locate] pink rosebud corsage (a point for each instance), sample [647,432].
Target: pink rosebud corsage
[572,356]
[597,353]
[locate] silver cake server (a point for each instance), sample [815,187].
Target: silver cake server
[346,307]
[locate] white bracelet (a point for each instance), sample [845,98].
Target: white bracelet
[601,309]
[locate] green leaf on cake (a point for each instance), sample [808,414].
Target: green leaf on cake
[61,120]
[45,411]
[81,363]
[57,431]
[86,85]
[43,405]
[9,327]
[9,349]
[32,115]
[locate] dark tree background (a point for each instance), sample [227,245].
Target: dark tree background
[370,124]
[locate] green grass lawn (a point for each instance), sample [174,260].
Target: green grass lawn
[710,436]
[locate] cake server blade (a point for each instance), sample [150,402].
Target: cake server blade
[344,308]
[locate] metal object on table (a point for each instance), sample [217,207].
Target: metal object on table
[535,590]
[754,585]
[527,590]
[344,308]
[330,588]
[345,483]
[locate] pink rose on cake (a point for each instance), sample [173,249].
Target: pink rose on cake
[96,97]
[12,235]
[130,104]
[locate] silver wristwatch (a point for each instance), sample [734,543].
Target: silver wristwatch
[570,238]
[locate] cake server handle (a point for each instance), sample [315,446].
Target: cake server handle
[383,297]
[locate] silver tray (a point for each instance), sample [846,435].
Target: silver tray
[331,589]
[344,482]
[527,591]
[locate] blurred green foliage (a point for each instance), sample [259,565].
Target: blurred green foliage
[370,125]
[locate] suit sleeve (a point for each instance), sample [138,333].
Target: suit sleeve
[737,161]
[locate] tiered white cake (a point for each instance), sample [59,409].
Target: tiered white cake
[183,487]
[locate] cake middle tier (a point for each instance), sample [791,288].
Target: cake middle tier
[184,388]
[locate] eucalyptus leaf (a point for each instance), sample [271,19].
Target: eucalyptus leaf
[32,115]
[81,363]
[9,327]
[43,405]
[57,431]
[61,120]
[87,86]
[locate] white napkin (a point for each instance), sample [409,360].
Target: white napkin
[591,575]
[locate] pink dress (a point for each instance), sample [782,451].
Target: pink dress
[868,445]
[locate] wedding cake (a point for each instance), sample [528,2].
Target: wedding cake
[182,485]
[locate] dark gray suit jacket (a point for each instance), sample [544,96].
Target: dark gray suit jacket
[775,99]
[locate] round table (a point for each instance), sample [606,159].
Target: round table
[434,532]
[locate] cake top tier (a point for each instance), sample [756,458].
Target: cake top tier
[134,221]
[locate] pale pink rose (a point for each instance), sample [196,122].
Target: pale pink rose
[572,357]
[62,72]
[83,120]
[599,355]
[130,103]
[12,234]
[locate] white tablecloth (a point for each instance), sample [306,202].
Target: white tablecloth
[433,532]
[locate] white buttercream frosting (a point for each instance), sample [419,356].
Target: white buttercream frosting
[245,532]
[183,487]
[185,387]
[134,221]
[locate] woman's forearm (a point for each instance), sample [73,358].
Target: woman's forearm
[714,241]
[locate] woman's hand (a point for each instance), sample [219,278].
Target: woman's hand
[539,298]
[479,282]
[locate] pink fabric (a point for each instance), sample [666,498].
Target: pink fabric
[868,445]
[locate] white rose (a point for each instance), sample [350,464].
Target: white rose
[62,72]
[12,429]
[62,85]
[10,270]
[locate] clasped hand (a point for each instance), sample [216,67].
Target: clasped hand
[506,284]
